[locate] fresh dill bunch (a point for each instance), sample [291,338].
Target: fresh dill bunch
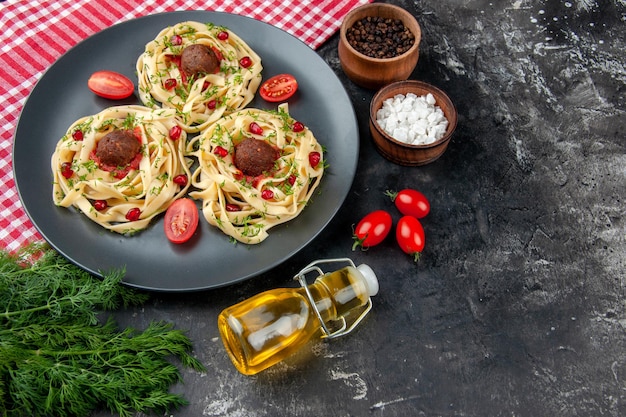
[57,359]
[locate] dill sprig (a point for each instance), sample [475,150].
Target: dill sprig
[58,359]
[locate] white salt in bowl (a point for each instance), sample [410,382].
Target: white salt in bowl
[415,112]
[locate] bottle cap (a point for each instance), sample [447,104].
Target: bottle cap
[371,282]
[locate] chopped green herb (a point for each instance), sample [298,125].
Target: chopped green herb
[58,359]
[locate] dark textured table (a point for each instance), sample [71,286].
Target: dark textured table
[517,305]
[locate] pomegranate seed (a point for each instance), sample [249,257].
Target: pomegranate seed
[77,135]
[175,132]
[297,127]
[292,179]
[255,128]
[176,40]
[223,35]
[100,205]
[170,83]
[314,158]
[232,207]
[180,180]
[220,151]
[212,104]
[133,214]
[267,194]
[66,170]
[245,62]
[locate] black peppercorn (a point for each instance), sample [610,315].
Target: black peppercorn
[377,37]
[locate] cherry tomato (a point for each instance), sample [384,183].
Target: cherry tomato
[66,170]
[181,180]
[372,229]
[278,88]
[77,135]
[176,40]
[111,85]
[245,62]
[170,83]
[175,132]
[314,158]
[220,151]
[267,194]
[410,236]
[181,220]
[232,207]
[410,202]
[100,205]
[133,214]
[297,127]
[255,128]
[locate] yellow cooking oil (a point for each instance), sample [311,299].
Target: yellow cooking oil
[268,327]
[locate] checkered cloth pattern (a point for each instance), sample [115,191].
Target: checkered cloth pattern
[35,33]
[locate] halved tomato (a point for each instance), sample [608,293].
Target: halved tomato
[181,220]
[278,88]
[111,85]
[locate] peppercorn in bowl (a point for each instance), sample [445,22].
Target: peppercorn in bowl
[411,122]
[378,44]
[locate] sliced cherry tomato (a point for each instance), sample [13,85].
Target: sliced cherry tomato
[372,229]
[181,220]
[410,236]
[111,85]
[410,202]
[278,88]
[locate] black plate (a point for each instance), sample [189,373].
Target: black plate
[210,259]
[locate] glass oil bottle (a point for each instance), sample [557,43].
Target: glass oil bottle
[268,327]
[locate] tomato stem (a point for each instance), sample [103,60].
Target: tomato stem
[392,195]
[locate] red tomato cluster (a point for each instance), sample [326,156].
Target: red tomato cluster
[375,226]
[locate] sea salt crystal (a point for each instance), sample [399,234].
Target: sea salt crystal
[412,119]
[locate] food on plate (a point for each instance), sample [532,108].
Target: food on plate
[121,167]
[181,220]
[372,229]
[117,148]
[410,202]
[412,119]
[245,196]
[201,70]
[255,156]
[111,85]
[410,236]
[278,88]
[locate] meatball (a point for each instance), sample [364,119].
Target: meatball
[197,60]
[253,157]
[117,148]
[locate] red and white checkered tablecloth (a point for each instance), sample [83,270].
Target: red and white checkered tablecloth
[35,33]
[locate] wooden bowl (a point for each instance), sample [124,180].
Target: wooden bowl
[374,73]
[402,153]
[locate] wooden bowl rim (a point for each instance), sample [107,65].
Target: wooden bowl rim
[406,86]
[403,12]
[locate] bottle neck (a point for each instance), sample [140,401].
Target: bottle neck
[338,293]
